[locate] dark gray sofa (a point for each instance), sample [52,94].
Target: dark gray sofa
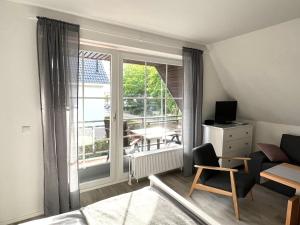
[290,144]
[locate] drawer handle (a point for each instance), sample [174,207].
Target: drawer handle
[229,147]
[246,143]
[247,132]
[230,135]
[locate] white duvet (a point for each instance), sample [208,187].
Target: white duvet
[147,206]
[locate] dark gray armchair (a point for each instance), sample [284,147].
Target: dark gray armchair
[225,181]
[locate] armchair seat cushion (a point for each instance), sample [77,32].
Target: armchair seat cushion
[221,180]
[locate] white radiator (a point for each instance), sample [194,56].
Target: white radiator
[143,164]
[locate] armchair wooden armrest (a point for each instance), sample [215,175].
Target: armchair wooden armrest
[234,158]
[216,168]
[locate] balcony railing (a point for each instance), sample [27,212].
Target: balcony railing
[94,135]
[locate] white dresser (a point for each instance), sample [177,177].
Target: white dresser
[229,140]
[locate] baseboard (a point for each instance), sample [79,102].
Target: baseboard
[22,218]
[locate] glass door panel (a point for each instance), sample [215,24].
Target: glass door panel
[133,107]
[174,106]
[94,116]
[151,107]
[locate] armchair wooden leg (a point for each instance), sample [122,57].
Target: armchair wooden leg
[247,171]
[251,195]
[234,196]
[197,176]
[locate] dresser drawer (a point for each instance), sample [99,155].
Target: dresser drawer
[237,133]
[232,146]
[229,163]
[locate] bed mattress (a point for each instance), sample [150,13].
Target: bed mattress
[147,206]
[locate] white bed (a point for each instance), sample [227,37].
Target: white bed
[153,205]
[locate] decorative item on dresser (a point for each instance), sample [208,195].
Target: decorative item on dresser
[229,140]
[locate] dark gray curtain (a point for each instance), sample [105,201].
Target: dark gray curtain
[192,105]
[58,60]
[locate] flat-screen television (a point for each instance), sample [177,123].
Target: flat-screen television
[225,111]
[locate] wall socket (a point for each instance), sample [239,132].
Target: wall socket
[26,128]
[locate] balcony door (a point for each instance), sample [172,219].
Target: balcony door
[128,103]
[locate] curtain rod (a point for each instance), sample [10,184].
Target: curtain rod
[123,37]
[42,17]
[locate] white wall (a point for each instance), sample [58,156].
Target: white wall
[21,164]
[261,70]
[21,161]
[212,89]
[266,132]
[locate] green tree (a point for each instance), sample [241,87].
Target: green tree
[134,86]
[133,80]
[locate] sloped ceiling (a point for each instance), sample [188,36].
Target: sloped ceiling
[198,21]
[262,71]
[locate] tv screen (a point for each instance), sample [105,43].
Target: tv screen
[225,111]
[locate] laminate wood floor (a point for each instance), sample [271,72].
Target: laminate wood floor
[267,208]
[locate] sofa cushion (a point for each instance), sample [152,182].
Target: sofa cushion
[221,180]
[273,152]
[290,144]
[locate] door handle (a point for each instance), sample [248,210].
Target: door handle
[115,116]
